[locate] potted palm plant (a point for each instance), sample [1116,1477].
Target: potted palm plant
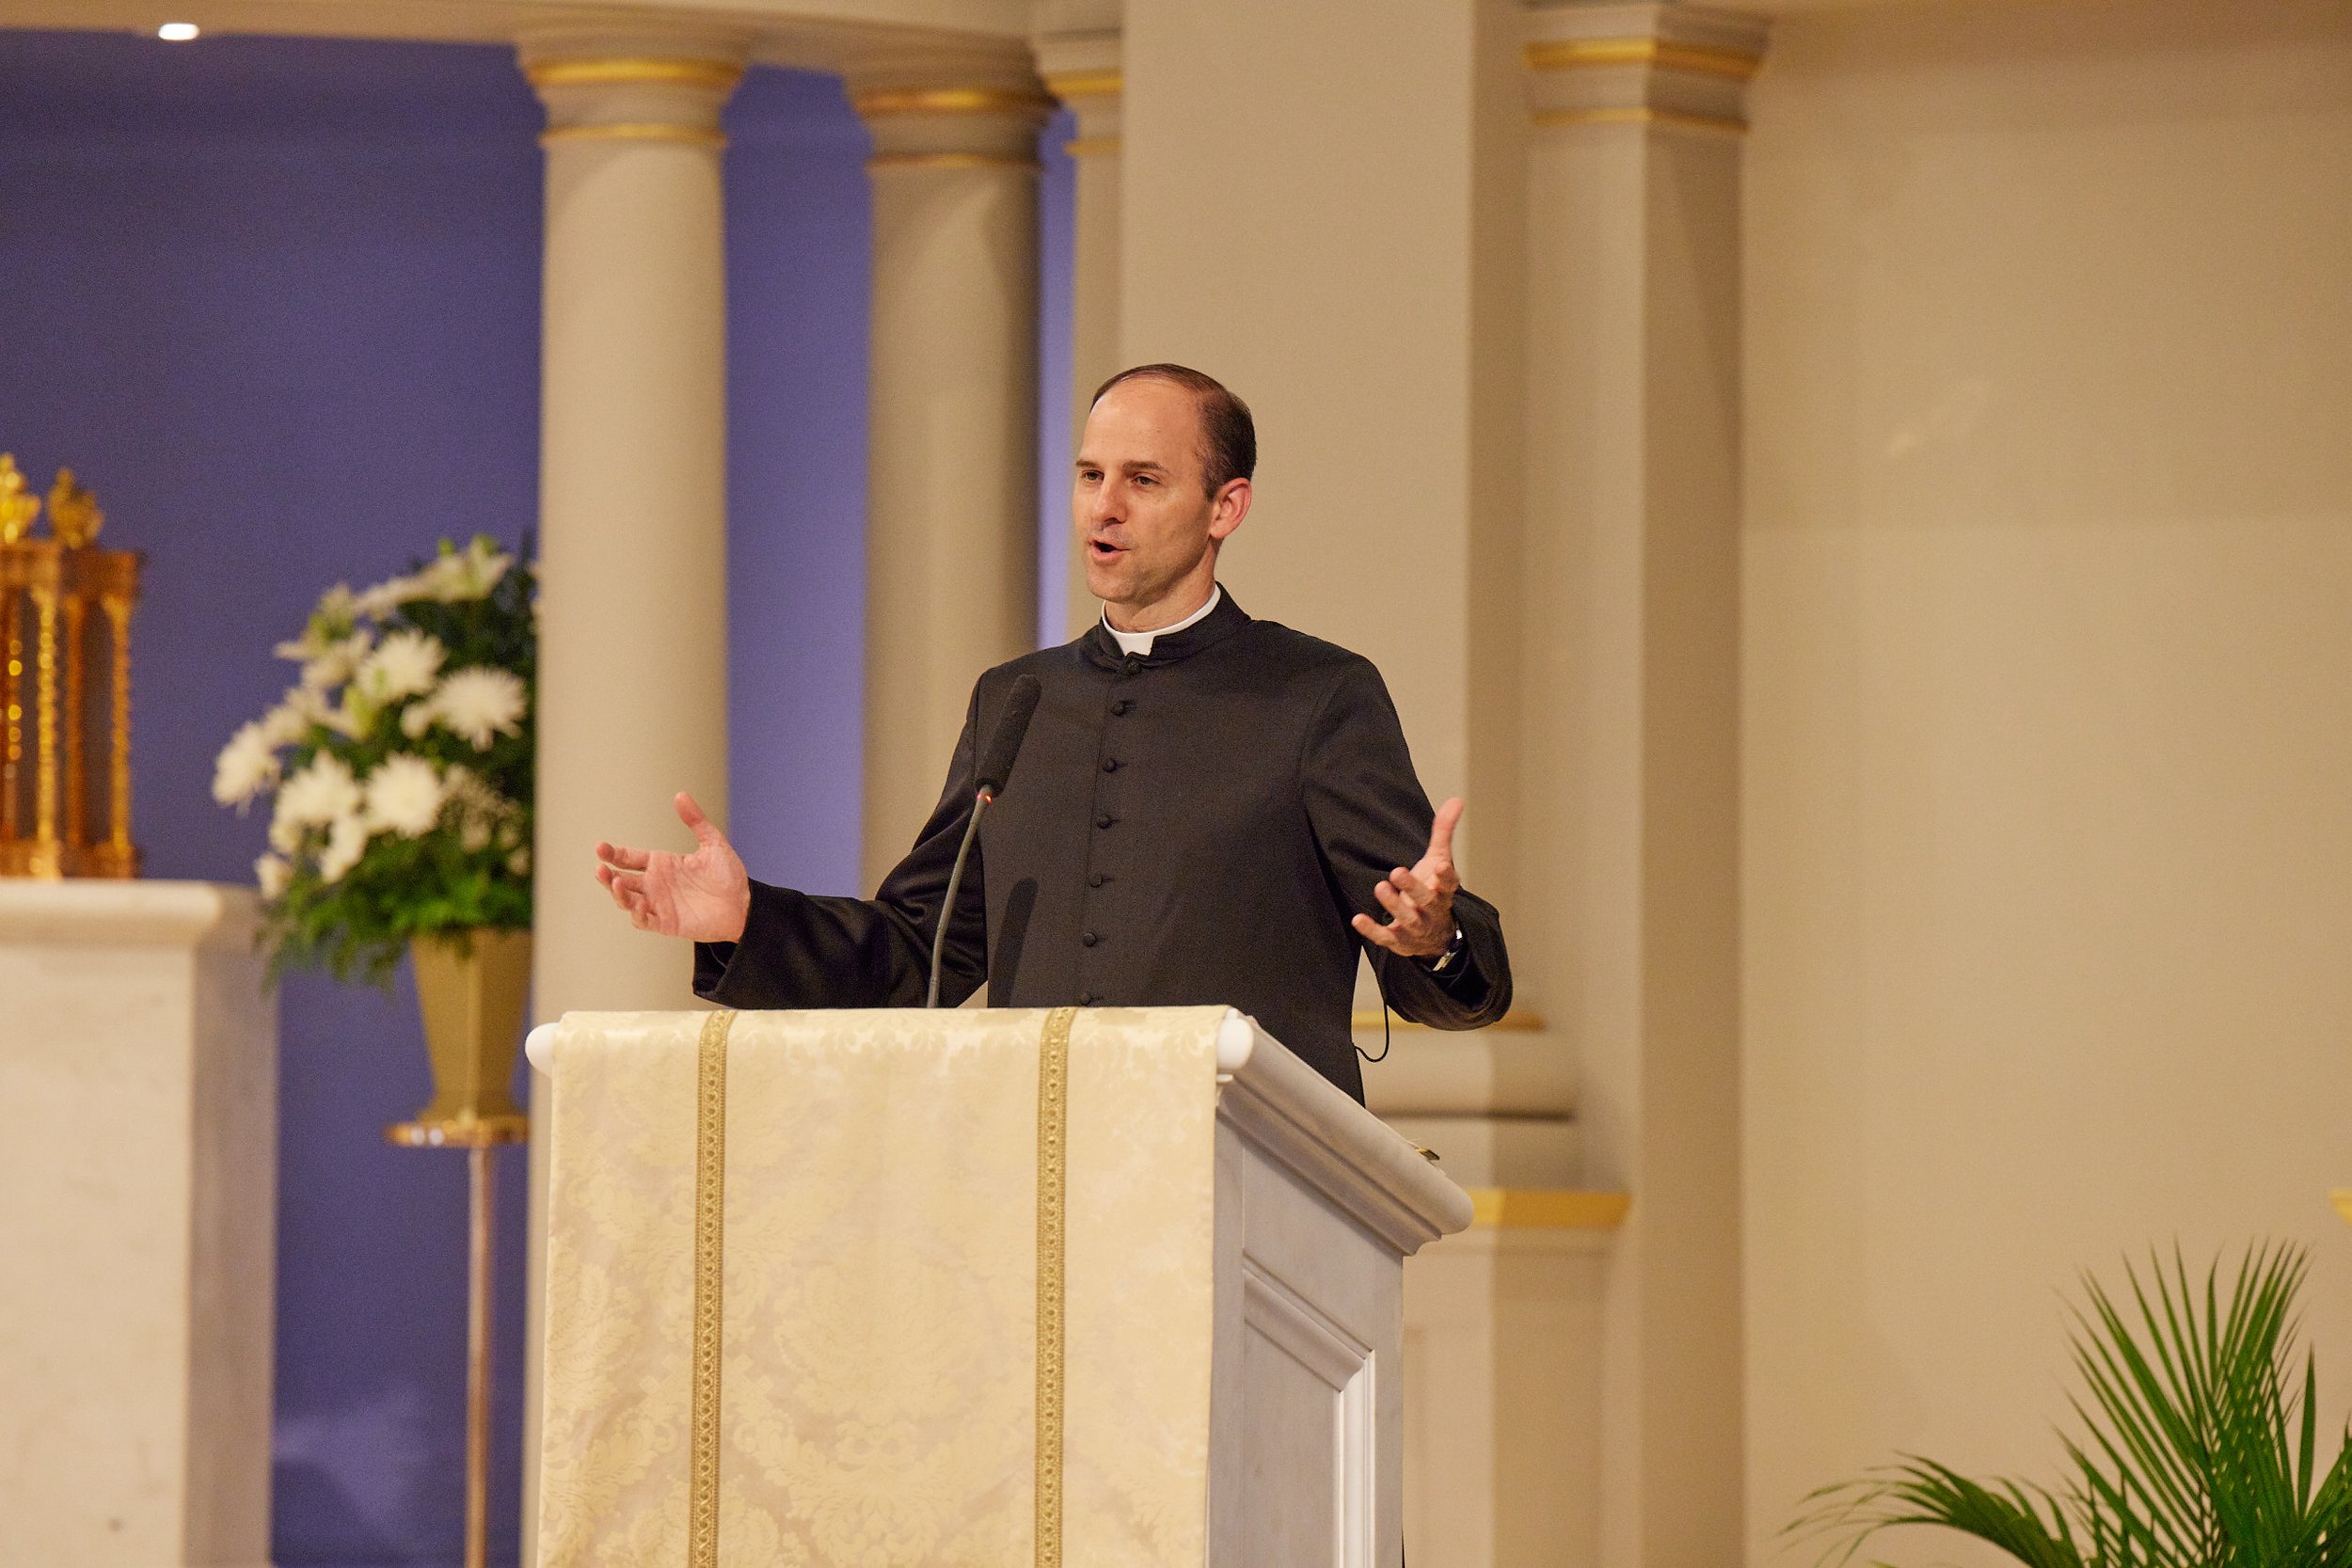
[2202,1450]
[398,770]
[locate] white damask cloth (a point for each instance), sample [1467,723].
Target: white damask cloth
[879,1367]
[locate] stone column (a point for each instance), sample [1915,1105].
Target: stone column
[1630,718]
[951,482]
[1083,71]
[633,501]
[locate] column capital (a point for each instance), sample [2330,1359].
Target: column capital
[1643,62]
[1083,71]
[950,107]
[614,84]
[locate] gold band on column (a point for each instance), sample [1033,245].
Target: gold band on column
[710,1195]
[1672,118]
[950,101]
[634,71]
[697,135]
[950,160]
[1085,84]
[1053,1180]
[1665,55]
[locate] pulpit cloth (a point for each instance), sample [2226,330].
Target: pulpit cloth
[879,1287]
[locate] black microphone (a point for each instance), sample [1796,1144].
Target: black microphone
[1004,745]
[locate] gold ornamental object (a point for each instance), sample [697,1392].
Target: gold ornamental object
[472,987]
[65,686]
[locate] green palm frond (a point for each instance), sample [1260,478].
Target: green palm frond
[2201,1450]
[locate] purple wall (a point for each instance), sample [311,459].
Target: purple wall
[277,303]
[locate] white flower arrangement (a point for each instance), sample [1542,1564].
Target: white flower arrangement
[399,764]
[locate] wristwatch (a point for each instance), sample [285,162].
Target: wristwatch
[1445,960]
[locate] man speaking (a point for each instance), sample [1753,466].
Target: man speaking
[1205,808]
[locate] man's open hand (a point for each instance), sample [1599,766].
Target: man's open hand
[1420,901]
[704,896]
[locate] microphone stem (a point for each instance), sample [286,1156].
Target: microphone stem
[955,884]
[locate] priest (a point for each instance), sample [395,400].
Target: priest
[1207,807]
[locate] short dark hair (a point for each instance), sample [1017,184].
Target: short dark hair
[1229,438]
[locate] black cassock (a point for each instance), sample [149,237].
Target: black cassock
[1191,825]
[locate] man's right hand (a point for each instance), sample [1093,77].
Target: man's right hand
[704,896]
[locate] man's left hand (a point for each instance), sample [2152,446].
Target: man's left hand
[1420,901]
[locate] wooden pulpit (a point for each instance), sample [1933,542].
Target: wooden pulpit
[1101,1286]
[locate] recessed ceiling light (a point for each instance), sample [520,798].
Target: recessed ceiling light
[175,32]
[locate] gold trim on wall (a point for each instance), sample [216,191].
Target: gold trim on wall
[1085,84]
[697,135]
[1663,54]
[950,101]
[1672,118]
[1513,1023]
[1091,146]
[1547,1209]
[633,72]
[950,160]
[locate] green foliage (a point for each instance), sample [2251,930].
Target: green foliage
[2200,1453]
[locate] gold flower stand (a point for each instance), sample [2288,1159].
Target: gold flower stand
[473,986]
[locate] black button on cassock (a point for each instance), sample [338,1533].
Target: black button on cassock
[1096,879]
[1104,821]
[1089,938]
[1110,764]
[1118,708]
[1086,999]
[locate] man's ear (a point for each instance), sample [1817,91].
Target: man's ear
[1228,507]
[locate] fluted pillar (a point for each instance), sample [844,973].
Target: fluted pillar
[632,502]
[951,478]
[1631,726]
[1081,70]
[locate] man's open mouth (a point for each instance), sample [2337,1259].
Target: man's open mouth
[1102,548]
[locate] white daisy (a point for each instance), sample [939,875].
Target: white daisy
[346,841]
[322,792]
[480,703]
[285,723]
[381,601]
[246,765]
[336,661]
[404,794]
[273,873]
[403,665]
[466,574]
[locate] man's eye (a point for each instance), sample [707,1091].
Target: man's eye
[1145,479]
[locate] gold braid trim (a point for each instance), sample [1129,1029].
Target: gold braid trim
[1053,1178]
[710,1191]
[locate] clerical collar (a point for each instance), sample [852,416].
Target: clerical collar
[1140,641]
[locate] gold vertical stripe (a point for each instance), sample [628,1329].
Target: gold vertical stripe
[118,755]
[1052,1178]
[710,1191]
[45,858]
[76,678]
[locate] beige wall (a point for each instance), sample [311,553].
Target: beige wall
[2048,697]
[1269,151]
